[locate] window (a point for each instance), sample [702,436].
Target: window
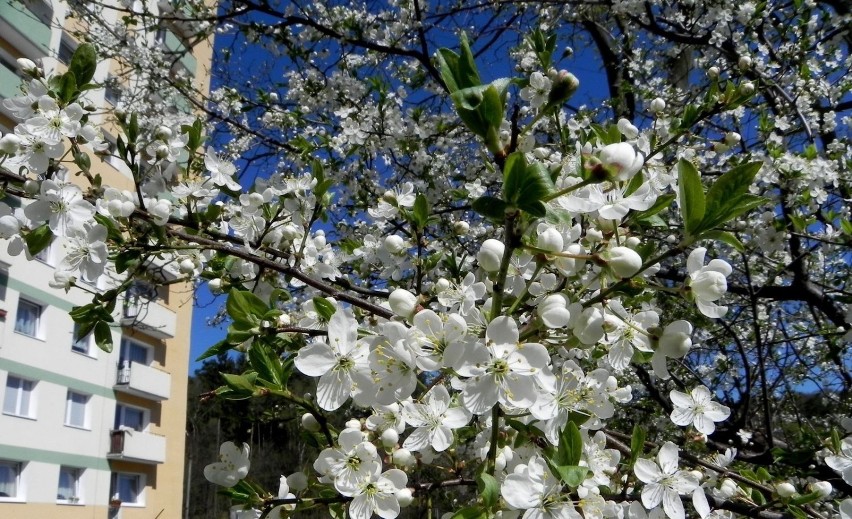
[127,488]
[66,49]
[82,345]
[18,400]
[4,282]
[76,410]
[28,318]
[10,480]
[127,417]
[112,91]
[134,352]
[46,255]
[68,490]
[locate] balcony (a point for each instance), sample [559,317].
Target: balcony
[143,381]
[149,317]
[33,28]
[137,446]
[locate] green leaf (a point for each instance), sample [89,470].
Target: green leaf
[724,237]
[570,445]
[103,336]
[691,196]
[267,365]
[458,71]
[218,348]
[488,488]
[245,307]
[572,475]
[535,208]
[490,207]
[324,308]
[38,239]
[797,512]
[806,499]
[637,443]
[83,63]
[662,203]
[420,211]
[729,196]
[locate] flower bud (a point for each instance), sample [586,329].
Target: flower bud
[624,262]
[28,66]
[785,489]
[744,63]
[163,133]
[564,84]
[404,497]
[389,438]
[187,266]
[747,88]
[461,228]
[402,302]
[550,239]
[621,160]
[403,458]
[627,129]
[310,423]
[823,488]
[729,488]
[215,285]
[733,138]
[441,285]
[9,226]
[657,105]
[353,423]
[713,72]
[10,144]
[394,244]
[490,255]
[553,311]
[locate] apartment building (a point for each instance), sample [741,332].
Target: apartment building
[84,433]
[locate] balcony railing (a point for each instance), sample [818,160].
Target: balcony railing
[137,446]
[149,317]
[143,381]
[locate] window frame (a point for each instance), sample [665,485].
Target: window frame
[149,351]
[77,475]
[84,346]
[31,400]
[69,402]
[140,488]
[37,332]
[18,470]
[121,413]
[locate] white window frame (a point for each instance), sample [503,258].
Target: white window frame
[140,488]
[38,333]
[70,402]
[131,342]
[77,475]
[46,254]
[86,345]
[18,469]
[120,415]
[29,412]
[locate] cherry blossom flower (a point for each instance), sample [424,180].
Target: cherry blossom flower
[532,487]
[86,250]
[352,462]
[664,482]
[61,205]
[233,465]
[609,200]
[707,283]
[697,408]
[377,495]
[842,462]
[341,363]
[501,370]
[434,421]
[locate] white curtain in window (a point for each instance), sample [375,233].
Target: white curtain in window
[26,321]
[9,479]
[17,398]
[77,409]
[67,483]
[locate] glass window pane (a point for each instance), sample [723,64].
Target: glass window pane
[128,488]
[26,320]
[16,400]
[68,483]
[76,413]
[9,473]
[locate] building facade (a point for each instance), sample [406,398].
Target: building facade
[85,433]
